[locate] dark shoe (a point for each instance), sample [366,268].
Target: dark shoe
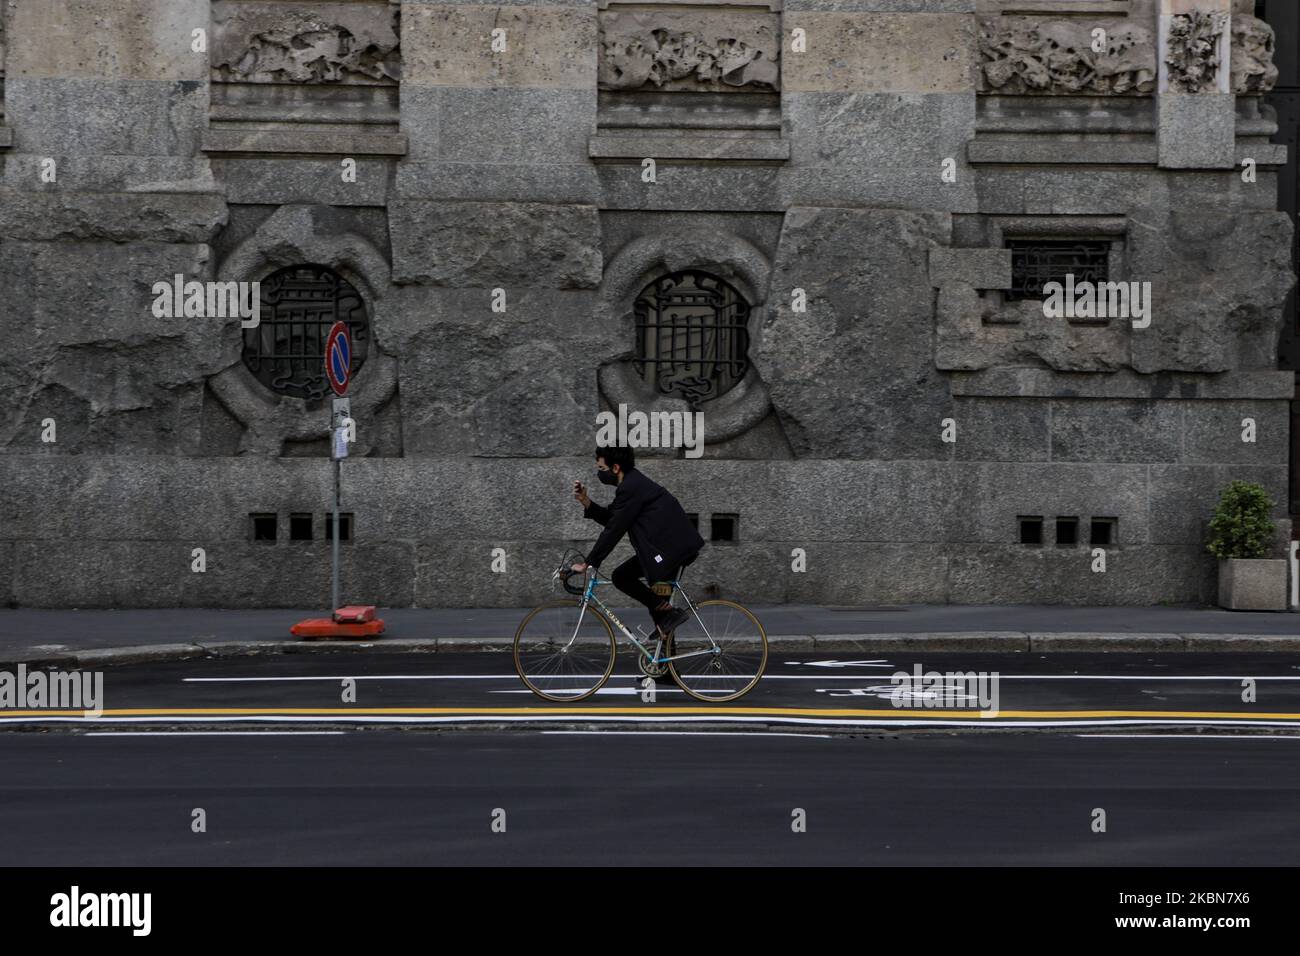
[668,621]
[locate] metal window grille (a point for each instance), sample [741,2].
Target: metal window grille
[286,350]
[1035,262]
[692,336]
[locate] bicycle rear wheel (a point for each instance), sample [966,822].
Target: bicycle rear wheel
[720,653]
[562,653]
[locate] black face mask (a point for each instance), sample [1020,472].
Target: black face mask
[607,477]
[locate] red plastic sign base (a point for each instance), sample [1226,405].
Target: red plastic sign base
[323,627]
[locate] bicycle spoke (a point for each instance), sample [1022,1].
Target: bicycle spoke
[555,662]
[734,651]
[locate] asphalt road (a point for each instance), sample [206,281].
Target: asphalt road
[390,797]
[807,691]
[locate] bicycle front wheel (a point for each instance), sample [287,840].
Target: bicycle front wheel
[720,653]
[563,651]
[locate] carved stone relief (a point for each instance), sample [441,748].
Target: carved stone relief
[702,50]
[1192,51]
[1056,56]
[1253,43]
[305,43]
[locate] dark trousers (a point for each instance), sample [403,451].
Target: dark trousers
[627,578]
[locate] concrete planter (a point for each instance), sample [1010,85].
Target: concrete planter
[1253,584]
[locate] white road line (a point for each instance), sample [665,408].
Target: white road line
[1190,736]
[766,677]
[603,692]
[1143,677]
[250,680]
[681,733]
[216,733]
[987,722]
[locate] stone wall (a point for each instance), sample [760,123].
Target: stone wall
[854,169]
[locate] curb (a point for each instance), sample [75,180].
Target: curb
[933,642]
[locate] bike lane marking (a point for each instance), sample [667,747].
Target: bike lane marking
[766,677]
[539,711]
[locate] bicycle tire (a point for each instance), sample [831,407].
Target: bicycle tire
[693,681]
[523,646]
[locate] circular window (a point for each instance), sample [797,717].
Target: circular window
[286,350]
[692,336]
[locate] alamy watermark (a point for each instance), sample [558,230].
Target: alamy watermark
[77,909]
[958,690]
[179,299]
[1098,300]
[53,690]
[637,429]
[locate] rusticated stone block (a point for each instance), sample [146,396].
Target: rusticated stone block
[971,334]
[495,244]
[106,39]
[860,270]
[115,217]
[881,52]
[978,268]
[1218,284]
[545,47]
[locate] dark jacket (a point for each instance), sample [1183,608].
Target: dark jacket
[662,536]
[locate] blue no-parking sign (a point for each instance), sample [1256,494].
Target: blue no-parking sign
[338,358]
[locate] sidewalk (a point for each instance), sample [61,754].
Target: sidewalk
[126,636]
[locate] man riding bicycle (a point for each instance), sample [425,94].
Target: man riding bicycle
[663,537]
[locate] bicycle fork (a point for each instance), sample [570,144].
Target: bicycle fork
[582,611]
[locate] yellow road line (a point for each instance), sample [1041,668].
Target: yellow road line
[722,711]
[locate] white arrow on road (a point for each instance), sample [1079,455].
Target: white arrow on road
[877,663]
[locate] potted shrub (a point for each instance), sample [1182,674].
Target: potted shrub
[1241,537]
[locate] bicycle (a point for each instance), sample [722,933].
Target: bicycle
[565,650]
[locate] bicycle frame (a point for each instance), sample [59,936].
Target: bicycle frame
[589,598]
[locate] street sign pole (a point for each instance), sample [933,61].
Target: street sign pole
[340,416]
[358,620]
[334,545]
[338,371]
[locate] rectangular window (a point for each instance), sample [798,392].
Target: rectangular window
[1031,529]
[345,526]
[263,526]
[724,527]
[300,526]
[1067,532]
[694,519]
[1105,532]
[1035,262]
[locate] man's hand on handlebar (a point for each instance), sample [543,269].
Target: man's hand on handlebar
[579,567]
